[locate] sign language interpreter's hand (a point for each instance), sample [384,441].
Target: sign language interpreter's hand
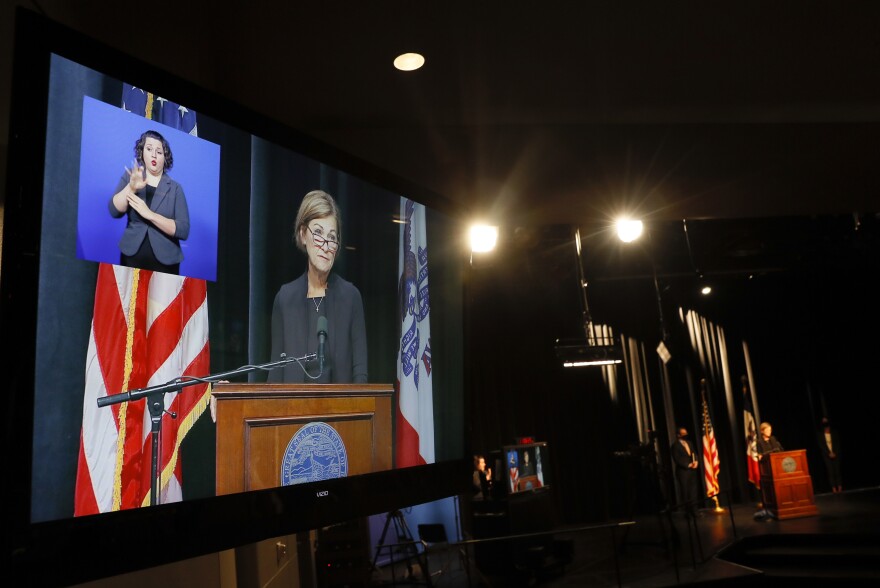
[136,177]
[138,204]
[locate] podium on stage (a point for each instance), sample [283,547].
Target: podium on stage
[786,485]
[258,423]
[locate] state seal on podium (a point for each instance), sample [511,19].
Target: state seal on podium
[316,452]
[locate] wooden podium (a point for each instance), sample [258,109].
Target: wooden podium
[786,485]
[256,422]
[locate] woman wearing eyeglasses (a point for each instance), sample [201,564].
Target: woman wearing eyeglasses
[319,292]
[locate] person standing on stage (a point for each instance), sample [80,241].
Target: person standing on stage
[687,466]
[829,447]
[767,443]
[319,292]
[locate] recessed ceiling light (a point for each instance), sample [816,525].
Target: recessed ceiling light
[409,61]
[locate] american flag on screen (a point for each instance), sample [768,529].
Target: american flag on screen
[711,464]
[415,401]
[513,469]
[148,328]
[139,101]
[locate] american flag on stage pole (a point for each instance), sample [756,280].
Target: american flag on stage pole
[148,328]
[711,464]
[415,401]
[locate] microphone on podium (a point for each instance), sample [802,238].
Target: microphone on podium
[322,339]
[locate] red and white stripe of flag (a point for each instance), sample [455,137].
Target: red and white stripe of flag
[147,329]
[711,463]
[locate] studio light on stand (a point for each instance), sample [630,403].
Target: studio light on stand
[483,240]
[598,347]
[628,231]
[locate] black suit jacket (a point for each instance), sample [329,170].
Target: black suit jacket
[346,346]
[170,202]
[823,446]
[680,456]
[769,446]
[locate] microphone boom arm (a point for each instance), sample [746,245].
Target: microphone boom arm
[156,404]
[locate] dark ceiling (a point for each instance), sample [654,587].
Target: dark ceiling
[562,113]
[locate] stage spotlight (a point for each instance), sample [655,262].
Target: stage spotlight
[706,290]
[483,238]
[629,230]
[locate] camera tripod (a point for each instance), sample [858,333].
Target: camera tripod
[406,545]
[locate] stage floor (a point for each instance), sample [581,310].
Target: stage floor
[840,545]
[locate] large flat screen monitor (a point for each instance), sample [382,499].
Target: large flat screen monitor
[149,240]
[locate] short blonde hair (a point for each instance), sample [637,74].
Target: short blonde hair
[765,425]
[316,204]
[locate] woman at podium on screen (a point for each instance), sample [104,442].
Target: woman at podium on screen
[158,217]
[767,443]
[319,312]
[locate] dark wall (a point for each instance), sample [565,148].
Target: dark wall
[811,332]
[518,304]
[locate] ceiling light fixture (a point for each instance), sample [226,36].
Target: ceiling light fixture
[629,230]
[575,353]
[409,61]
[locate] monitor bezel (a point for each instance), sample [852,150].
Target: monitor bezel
[98,546]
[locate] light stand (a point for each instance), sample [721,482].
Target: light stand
[598,348]
[155,396]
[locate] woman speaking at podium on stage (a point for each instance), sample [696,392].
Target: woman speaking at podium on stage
[300,304]
[767,443]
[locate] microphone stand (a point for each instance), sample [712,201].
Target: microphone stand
[155,396]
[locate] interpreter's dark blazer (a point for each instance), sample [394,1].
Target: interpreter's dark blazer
[170,202]
[346,345]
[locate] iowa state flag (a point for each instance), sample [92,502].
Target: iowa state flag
[751,434]
[415,401]
[148,328]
